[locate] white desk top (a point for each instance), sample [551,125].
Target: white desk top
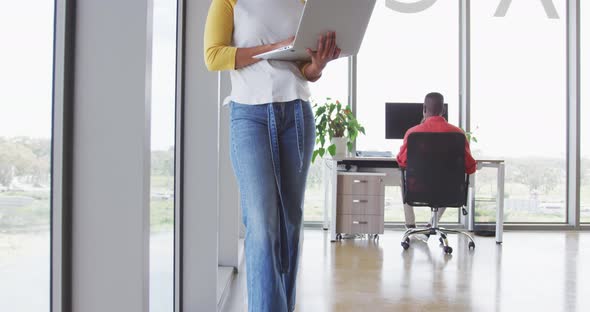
[361,173]
[353,158]
[365,158]
[489,160]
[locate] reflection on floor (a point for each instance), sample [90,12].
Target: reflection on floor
[24,271]
[534,271]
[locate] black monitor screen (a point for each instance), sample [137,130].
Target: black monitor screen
[399,117]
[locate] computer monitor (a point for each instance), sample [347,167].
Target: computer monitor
[399,117]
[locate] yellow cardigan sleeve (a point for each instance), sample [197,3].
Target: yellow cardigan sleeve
[219,54]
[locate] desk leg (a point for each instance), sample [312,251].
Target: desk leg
[470,218]
[326,182]
[500,204]
[333,170]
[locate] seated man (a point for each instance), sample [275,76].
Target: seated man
[432,122]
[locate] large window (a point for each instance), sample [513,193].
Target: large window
[404,57]
[26,61]
[333,85]
[162,179]
[585,120]
[518,106]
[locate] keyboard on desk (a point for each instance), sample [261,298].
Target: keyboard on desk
[374,154]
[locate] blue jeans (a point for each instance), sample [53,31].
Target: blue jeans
[271,148]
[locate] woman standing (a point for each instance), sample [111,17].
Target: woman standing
[272,135]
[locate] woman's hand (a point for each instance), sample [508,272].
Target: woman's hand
[326,52]
[245,56]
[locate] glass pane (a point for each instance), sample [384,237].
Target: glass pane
[518,106]
[585,120]
[334,85]
[162,181]
[404,57]
[486,188]
[26,68]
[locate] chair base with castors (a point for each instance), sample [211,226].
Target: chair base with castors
[434,230]
[374,237]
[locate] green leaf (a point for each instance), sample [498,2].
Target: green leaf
[349,144]
[332,149]
[474,139]
[315,154]
[331,109]
[320,111]
[322,151]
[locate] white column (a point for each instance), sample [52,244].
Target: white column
[573,113]
[111,156]
[465,93]
[229,216]
[197,189]
[464,64]
[352,88]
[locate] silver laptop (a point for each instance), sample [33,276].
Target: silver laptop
[348,18]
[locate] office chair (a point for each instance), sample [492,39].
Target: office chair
[435,177]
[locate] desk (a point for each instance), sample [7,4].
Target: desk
[390,167]
[499,165]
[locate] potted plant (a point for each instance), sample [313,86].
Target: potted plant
[470,137]
[336,127]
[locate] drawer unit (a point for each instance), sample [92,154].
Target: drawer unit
[361,185]
[360,205]
[361,224]
[360,200]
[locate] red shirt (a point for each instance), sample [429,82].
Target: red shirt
[435,124]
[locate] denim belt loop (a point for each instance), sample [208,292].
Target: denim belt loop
[284,250]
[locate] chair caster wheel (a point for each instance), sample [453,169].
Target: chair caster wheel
[405,245]
[471,245]
[376,237]
[339,237]
[448,250]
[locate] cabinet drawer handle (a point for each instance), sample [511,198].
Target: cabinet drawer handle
[360,222]
[357,201]
[360,181]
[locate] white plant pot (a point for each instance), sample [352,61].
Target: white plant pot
[341,148]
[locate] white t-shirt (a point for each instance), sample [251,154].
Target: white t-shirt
[255,23]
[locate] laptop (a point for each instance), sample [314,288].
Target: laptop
[348,18]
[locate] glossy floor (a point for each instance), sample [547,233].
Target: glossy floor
[531,271]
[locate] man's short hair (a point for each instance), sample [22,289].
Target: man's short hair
[434,103]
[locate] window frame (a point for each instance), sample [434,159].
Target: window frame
[573,131]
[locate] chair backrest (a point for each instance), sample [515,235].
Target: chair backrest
[435,170]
